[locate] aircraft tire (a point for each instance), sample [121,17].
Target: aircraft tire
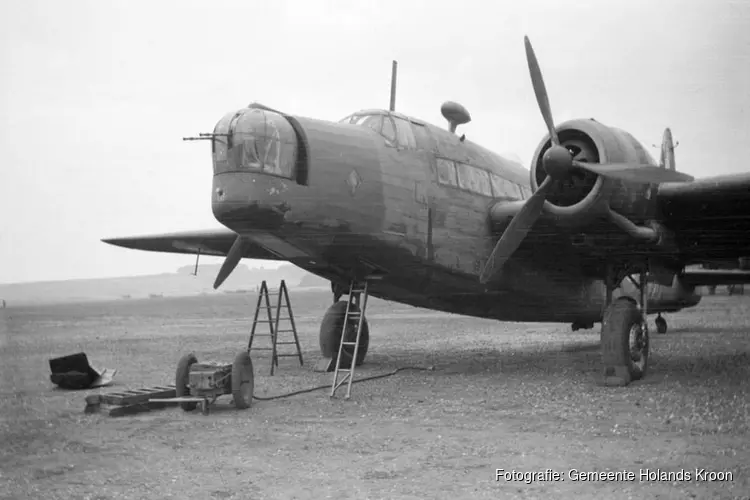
[330,335]
[243,380]
[622,319]
[182,379]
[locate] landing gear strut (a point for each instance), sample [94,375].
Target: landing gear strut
[661,324]
[337,291]
[624,335]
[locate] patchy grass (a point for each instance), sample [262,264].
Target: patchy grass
[502,395]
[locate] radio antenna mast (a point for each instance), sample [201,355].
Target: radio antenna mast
[394,70]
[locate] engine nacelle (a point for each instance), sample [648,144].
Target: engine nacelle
[576,201]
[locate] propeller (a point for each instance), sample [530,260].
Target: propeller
[233,258]
[516,231]
[559,164]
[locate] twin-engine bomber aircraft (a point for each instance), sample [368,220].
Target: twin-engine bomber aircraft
[430,219]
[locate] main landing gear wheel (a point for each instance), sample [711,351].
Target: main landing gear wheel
[661,324]
[330,335]
[625,341]
[182,379]
[243,380]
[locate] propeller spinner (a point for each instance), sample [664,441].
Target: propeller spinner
[559,165]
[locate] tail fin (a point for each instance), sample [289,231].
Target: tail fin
[667,151]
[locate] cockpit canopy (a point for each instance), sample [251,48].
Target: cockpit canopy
[396,130]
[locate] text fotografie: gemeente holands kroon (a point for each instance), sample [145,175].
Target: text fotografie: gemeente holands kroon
[642,475]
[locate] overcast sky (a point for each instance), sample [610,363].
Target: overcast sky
[96,96]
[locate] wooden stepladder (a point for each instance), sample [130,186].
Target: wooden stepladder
[356,290]
[273,322]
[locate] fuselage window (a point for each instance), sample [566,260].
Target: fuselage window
[474,179]
[422,137]
[405,134]
[446,172]
[503,188]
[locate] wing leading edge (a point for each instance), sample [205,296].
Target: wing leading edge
[207,242]
[709,217]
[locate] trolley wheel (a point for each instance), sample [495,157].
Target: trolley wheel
[182,379]
[243,380]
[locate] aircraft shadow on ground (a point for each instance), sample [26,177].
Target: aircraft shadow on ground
[565,360]
[707,330]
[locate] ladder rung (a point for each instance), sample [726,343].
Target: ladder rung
[287,355]
[349,343]
[286,343]
[358,290]
[272,320]
[284,331]
[354,314]
[345,370]
[262,348]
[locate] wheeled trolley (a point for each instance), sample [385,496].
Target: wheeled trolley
[202,383]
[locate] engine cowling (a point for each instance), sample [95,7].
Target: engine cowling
[584,196]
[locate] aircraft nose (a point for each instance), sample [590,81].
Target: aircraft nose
[255,140]
[244,205]
[254,157]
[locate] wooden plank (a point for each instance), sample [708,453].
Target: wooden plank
[139,397]
[130,409]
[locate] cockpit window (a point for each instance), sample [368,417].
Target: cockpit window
[381,124]
[422,137]
[405,134]
[375,122]
[388,132]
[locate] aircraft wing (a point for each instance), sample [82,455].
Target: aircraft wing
[712,277]
[208,242]
[709,217]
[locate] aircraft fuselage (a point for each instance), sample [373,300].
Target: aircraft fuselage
[344,199]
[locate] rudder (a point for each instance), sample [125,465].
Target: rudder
[667,160]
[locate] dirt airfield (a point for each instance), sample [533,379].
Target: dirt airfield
[518,397]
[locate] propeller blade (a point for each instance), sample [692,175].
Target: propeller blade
[540,90]
[233,258]
[634,172]
[516,231]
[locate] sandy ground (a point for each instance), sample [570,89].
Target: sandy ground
[520,397]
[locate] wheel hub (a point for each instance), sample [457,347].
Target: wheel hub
[638,344]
